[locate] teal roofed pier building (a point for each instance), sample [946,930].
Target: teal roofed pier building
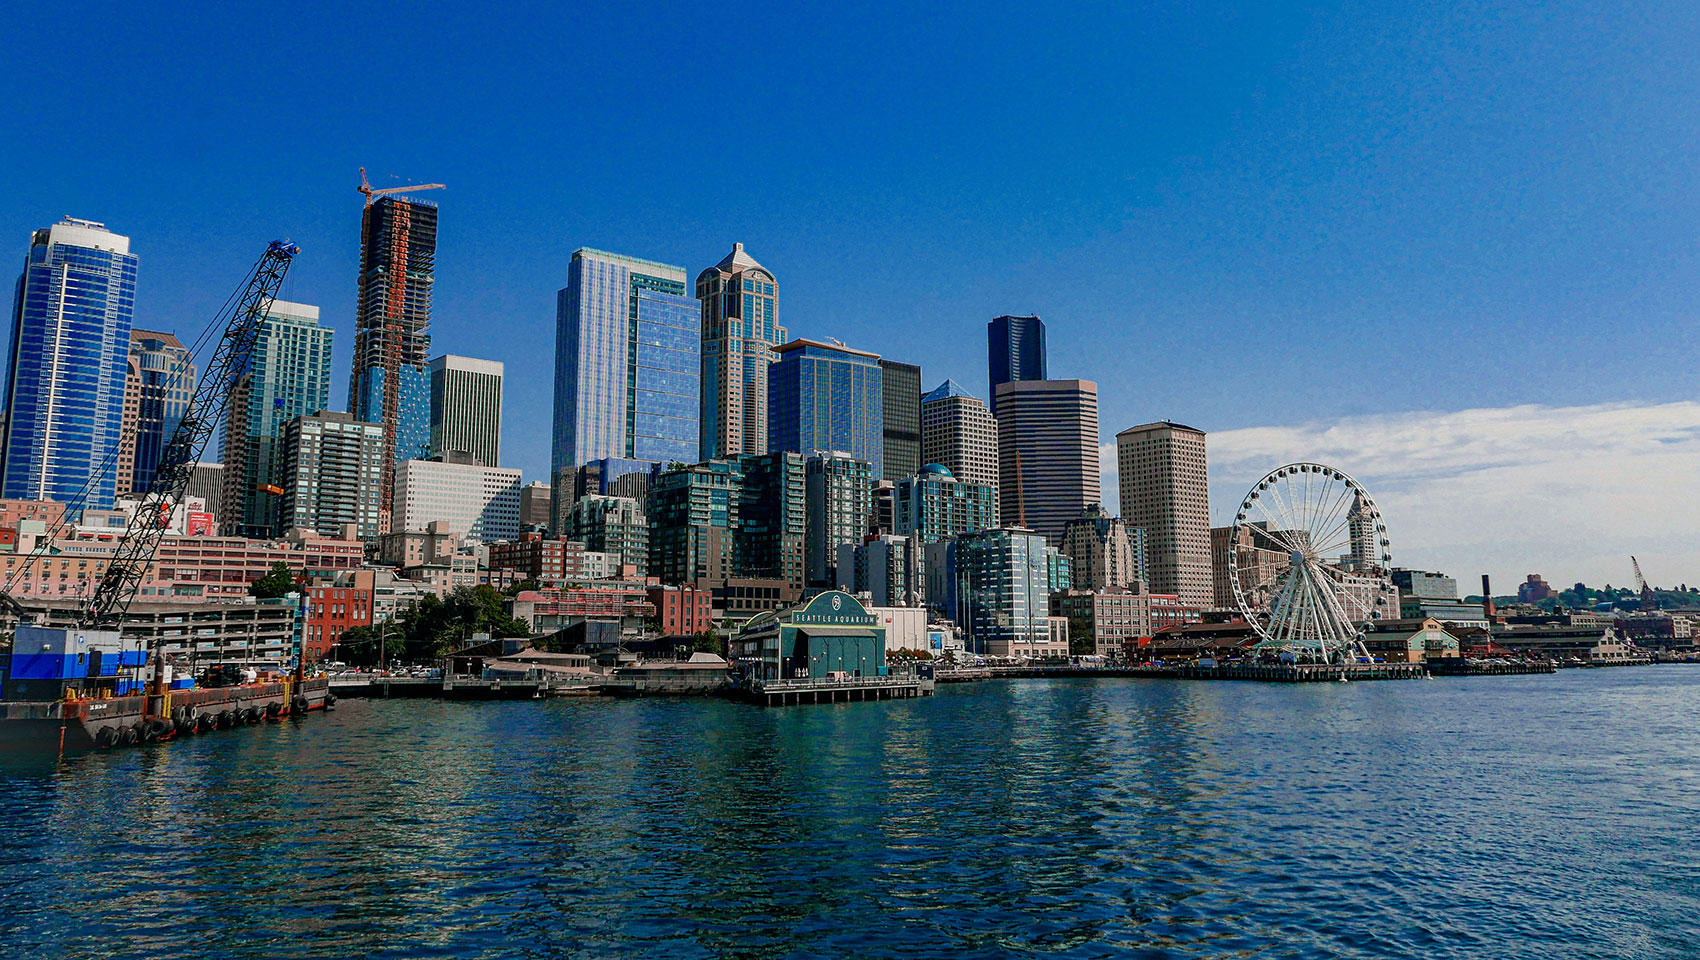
[832,634]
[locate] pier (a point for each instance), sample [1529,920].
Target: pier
[1304,672]
[778,693]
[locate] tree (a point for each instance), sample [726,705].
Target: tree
[1081,642]
[709,642]
[279,581]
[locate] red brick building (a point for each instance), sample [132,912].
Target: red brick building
[332,609]
[682,611]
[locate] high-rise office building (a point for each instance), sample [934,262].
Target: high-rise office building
[66,365]
[840,498]
[958,433]
[475,500]
[1015,350]
[1052,426]
[1104,553]
[824,396]
[693,516]
[772,526]
[389,384]
[332,475]
[157,385]
[534,504]
[611,525]
[900,393]
[933,505]
[995,585]
[739,331]
[466,408]
[288,376]
[1165,491]
[627,368]
[206,481]
[887,568]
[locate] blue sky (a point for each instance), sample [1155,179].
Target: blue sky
[1236,216]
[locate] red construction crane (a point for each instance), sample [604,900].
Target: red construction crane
[366,188]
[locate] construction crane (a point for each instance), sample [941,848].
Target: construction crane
[366,188]
[1648,602]
[201,417]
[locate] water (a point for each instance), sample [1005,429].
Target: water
[1551,817]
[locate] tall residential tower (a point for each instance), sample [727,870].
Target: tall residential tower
[69,353]
[392,324]
[288,376]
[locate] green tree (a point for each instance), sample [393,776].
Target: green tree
[709,642]
[1081,642]
[278,581]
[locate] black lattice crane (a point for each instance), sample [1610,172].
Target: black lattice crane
[201,417]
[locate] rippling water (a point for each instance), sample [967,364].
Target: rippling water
[1550,817]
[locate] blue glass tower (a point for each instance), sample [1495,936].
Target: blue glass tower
[628,346]
[66,366]
[823,396]
[161,380]
[288,376]
[1015,350]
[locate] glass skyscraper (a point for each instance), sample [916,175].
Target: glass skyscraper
[466,408]
[824,396]
[1015,350]
[900,388]
[159,382]
[288,376]
[628,342]
[66,368]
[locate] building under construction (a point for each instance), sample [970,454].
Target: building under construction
[390,384]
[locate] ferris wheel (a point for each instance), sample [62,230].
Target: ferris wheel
[1308,557]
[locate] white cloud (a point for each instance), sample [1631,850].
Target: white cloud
[1568,492]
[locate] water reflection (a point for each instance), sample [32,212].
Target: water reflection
[1544,816]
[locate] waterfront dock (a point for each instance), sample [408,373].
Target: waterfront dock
[453,688]
[1304,672]
[777,693]
[1455,667]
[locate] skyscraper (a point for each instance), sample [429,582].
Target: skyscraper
[1165,491]
[157,386]
[772,527]
[332,466]
[959,434]
[627,343]
[739,332]
[1053,426]
[70,349]
[824,396]
[840,498]
[466,408]
[1103,552]
[288,376]
[693,513]
[392,328]
[1015,350]
[900,392]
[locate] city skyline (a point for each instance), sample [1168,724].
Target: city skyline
[1196,230]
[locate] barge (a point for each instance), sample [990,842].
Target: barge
[69,690]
